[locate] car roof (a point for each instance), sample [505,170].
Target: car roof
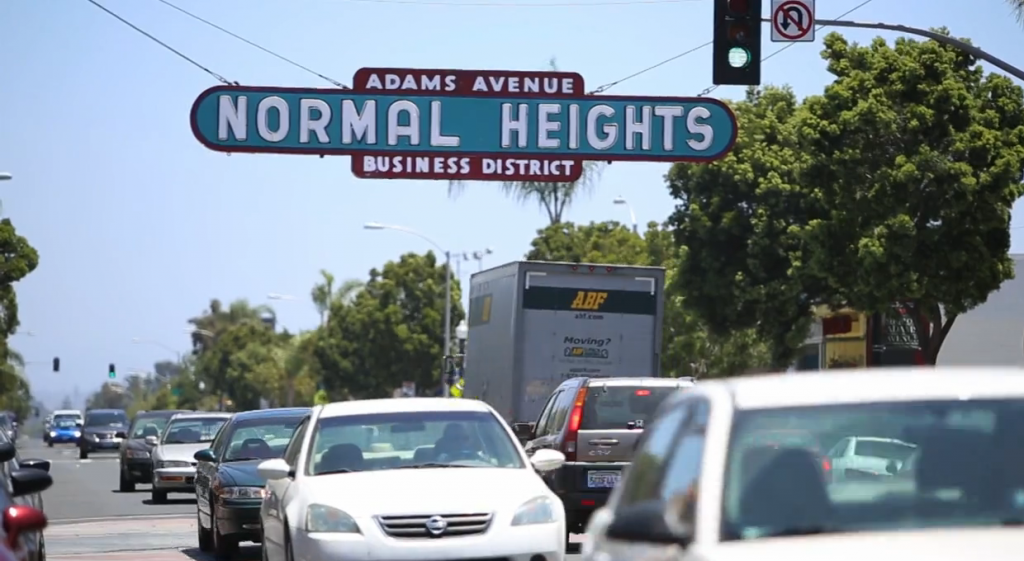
[276,412]
[160,413]
[851,386]
[402,405]
[202,415]
[645,381]
[105,411]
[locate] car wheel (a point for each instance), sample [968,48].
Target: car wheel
[126,485]
[158,497]
[83,454]
[289,555]
[205,536]
[224,547]
[41,551]
[50,444]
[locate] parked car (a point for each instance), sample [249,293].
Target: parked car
[135,451]
[23,482]
[869,456]
[596,423]
[18,521]
[392,477]
[103,430]
[705,485]
[228,488]
[174,468]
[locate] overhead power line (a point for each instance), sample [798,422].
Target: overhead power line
[710,89]
[253,44]
[149,36]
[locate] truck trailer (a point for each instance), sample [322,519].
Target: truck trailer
[535,324]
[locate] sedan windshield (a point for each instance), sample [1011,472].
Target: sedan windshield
[192,430]
[914,465]
[259,439]
[428,439]
[105,419]
[149,426]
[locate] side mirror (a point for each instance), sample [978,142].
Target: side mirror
[152,440]
[524,431]
[29,481]
[275,469]
[647,522]
[7,451]
[205,455]
[35,463]
[547,460]
[21,519]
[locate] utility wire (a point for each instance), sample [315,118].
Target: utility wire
[185,57]
[710,89]
[252,44]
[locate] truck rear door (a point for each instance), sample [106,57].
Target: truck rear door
[615,413]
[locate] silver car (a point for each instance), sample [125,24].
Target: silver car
[174,468]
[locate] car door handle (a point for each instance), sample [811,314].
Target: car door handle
[604,442]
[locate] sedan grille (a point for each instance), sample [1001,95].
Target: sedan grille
[428,525]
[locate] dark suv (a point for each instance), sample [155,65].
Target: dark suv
[137,447]
[102,429]
[596,423]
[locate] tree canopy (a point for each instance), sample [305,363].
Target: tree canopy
[894,185]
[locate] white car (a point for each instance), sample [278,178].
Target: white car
[711,481]
[174,468]
[859,457]
[410,480]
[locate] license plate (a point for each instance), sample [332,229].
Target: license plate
[603,479]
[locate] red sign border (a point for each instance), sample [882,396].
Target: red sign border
[781,10]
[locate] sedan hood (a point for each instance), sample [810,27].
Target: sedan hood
[426,490]
[940,544]
[241,474]
[179,452]
[139,444]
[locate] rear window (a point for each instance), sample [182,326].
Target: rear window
[614,407]
[887,449]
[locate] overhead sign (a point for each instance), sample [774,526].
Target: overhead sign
[792,21]
[496,126]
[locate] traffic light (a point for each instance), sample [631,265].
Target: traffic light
[737,43]
[56,364]
[111,371]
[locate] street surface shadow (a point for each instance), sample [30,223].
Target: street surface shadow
[245,553]
[126,492]
[169,502]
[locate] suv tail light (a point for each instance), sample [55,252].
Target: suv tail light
[573,430]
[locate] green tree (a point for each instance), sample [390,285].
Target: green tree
[597,242]
[894,185]
[239,363]
[392,331]
[19,259]
[1018,9]
[554,198]
[324,294]
[216,319]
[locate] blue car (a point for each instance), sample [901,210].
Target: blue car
[64,431]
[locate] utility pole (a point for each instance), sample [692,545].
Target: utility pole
[944,39]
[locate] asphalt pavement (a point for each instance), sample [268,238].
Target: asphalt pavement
[90,520]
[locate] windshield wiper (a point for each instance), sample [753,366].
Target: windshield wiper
[432,465]
[330,471]
[798,531]
[240,460]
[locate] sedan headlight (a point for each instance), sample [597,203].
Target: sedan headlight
[77,434]
[323,518]
[53,433]
[172,464]
[137,454]
[241,492]
[538,510]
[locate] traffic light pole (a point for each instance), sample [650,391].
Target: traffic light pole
[944,39]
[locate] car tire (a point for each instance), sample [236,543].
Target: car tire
[83,454]
[41,549]
[158,497]
[126,485]
[289,555]
[50,443]
[203,536]
[224,547]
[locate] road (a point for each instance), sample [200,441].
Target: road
[92,521]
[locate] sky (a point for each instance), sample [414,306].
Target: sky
[138,226]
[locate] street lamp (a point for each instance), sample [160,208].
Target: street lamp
[632,216]
[276,296]
[447,282]
[461,334]
[140,341]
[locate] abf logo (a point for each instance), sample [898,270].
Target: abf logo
[589,300]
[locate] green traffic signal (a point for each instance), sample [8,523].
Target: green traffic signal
[111,371]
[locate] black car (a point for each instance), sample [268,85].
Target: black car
[137,448]
[229,491]
[102,430]
[23,481]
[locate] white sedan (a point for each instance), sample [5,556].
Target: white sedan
[410,480]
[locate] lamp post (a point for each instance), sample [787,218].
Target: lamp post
[620,200]
[447,282]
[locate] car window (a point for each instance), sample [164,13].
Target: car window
[259,438]
[613,407]
[649,461]
[393,440]
[106,418]
[192,430]
[886,449]
[148,426]
[962,468]
[840,448]
[291,453]
[681,481]
[543,427]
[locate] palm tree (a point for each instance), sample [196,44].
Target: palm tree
[216,320]
[1018,9]
[324,295]
[554,198]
